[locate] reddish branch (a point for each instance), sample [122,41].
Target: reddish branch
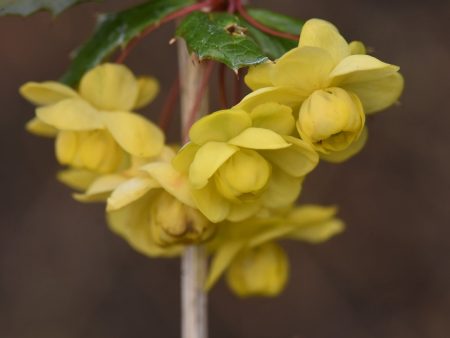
[169,105]
[222,87]
[242,11]
[175,15]
[237,87]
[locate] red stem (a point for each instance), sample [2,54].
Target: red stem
[231,6]
[260,26]
[222,87]
[175,15]
[172,98]
[192,116]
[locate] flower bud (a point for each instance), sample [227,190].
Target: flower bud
[261,271]
[331,119]
[244,175]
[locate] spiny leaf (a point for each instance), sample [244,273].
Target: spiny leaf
[27,7]
[115,30]
[220,37]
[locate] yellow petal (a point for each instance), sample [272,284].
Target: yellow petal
[70,114]
[259,76]
[167,153]
[111,87]
[282,190]
[182,161]
[221,260]
[319,232]
[134,133]
[148,89]
[262,271]
[207,160]
[291,226]
[322,34]
[130,191]
[378,94]
[297,160]
[101,188]
[352,150]
[304,69]
[309,214]
[357,47]
[37,127]
[259,138]
[99,152]
[78,179]
[278,230]
[219,126]
[360,68]
[273,116]
[242,211]
[285,96]
[93,147]
[171,181]
[66,146]
[211,203]
[115,159]
[45,93]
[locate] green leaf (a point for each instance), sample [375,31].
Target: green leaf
[273,46]
[280,22]
[220,37]
[115,30]
[27,7]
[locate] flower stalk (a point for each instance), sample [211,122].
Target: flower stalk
[194,261]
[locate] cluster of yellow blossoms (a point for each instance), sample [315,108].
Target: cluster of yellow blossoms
[234,185]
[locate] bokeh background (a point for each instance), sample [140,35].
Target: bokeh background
[64,275]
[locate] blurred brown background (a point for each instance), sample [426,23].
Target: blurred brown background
[64,275]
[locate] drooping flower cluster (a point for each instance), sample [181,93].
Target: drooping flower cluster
[239,162]
[233,186]
[330,85]
[96,131]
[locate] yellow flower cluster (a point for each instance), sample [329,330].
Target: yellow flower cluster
[238,162]
[95,130]
[331,85]
[233,186]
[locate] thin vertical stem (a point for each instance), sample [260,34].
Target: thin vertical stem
[194,261]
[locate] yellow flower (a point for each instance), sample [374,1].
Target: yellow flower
[260,271]
[325,62]
[151,208]
[94,127]
[238,162]
[246,251]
